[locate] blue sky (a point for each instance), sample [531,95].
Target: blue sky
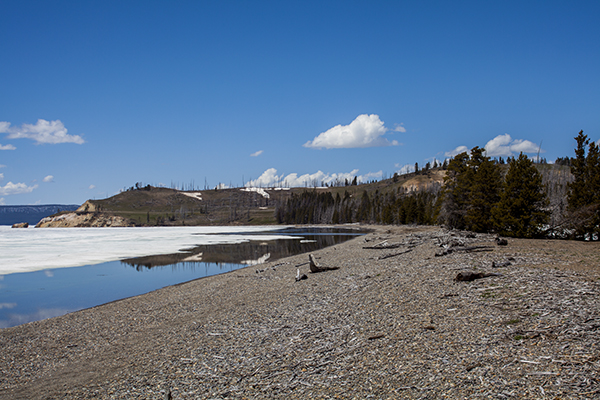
[99,95]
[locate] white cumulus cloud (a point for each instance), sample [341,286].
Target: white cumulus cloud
[505,146]
[49,178]
[456,151]
[43,131]
[256,154]
[16,188]
[364,131]
[7,147]
[270,178]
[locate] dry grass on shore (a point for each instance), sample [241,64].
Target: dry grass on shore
[390,323]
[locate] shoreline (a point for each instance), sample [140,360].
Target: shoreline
[388,327]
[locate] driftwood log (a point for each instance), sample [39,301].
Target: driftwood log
[470,249]
[315,267]
[501,241]
[468,276]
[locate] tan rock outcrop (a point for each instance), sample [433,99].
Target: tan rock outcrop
[21,225]
[83,220]
[88,206]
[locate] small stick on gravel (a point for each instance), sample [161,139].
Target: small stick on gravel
[300,277]
[394,254]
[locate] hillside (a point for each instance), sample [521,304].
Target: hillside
[157,206]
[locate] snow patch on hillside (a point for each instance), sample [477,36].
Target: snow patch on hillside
[193,195]
[260,191]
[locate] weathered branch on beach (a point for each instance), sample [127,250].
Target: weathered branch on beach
[388,246]
[394,254]
[470,249]
[315,267]
[383,245]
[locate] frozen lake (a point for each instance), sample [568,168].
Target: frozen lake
[49,272]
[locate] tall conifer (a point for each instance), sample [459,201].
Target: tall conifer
[455,198]
[484,193]
[584,191]
[521,210]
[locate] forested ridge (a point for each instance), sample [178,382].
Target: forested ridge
[515,197]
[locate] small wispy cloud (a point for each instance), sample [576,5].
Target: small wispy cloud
[16,188]
[52,132]
[2,202]
[505,146]
[456,151]
[1,176]
[399,128]
[92,187]
[365,131]
[49,178]
[7,147]
[256,154]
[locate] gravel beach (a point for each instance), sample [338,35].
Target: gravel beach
[392,322]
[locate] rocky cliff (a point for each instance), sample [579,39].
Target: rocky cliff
[83,220]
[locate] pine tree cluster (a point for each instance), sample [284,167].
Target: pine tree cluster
[476,197]
[312,207]
[479,194]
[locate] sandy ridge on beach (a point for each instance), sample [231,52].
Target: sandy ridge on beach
[390,323]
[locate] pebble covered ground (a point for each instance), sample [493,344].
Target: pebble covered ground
[392,322]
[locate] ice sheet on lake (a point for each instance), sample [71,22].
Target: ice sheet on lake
[34,249]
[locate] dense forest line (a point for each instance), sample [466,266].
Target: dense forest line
[516,198]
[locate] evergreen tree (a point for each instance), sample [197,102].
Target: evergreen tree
[584,191]
[520,212]
[579,195]
[455,196]
[484,192]
[364,210]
